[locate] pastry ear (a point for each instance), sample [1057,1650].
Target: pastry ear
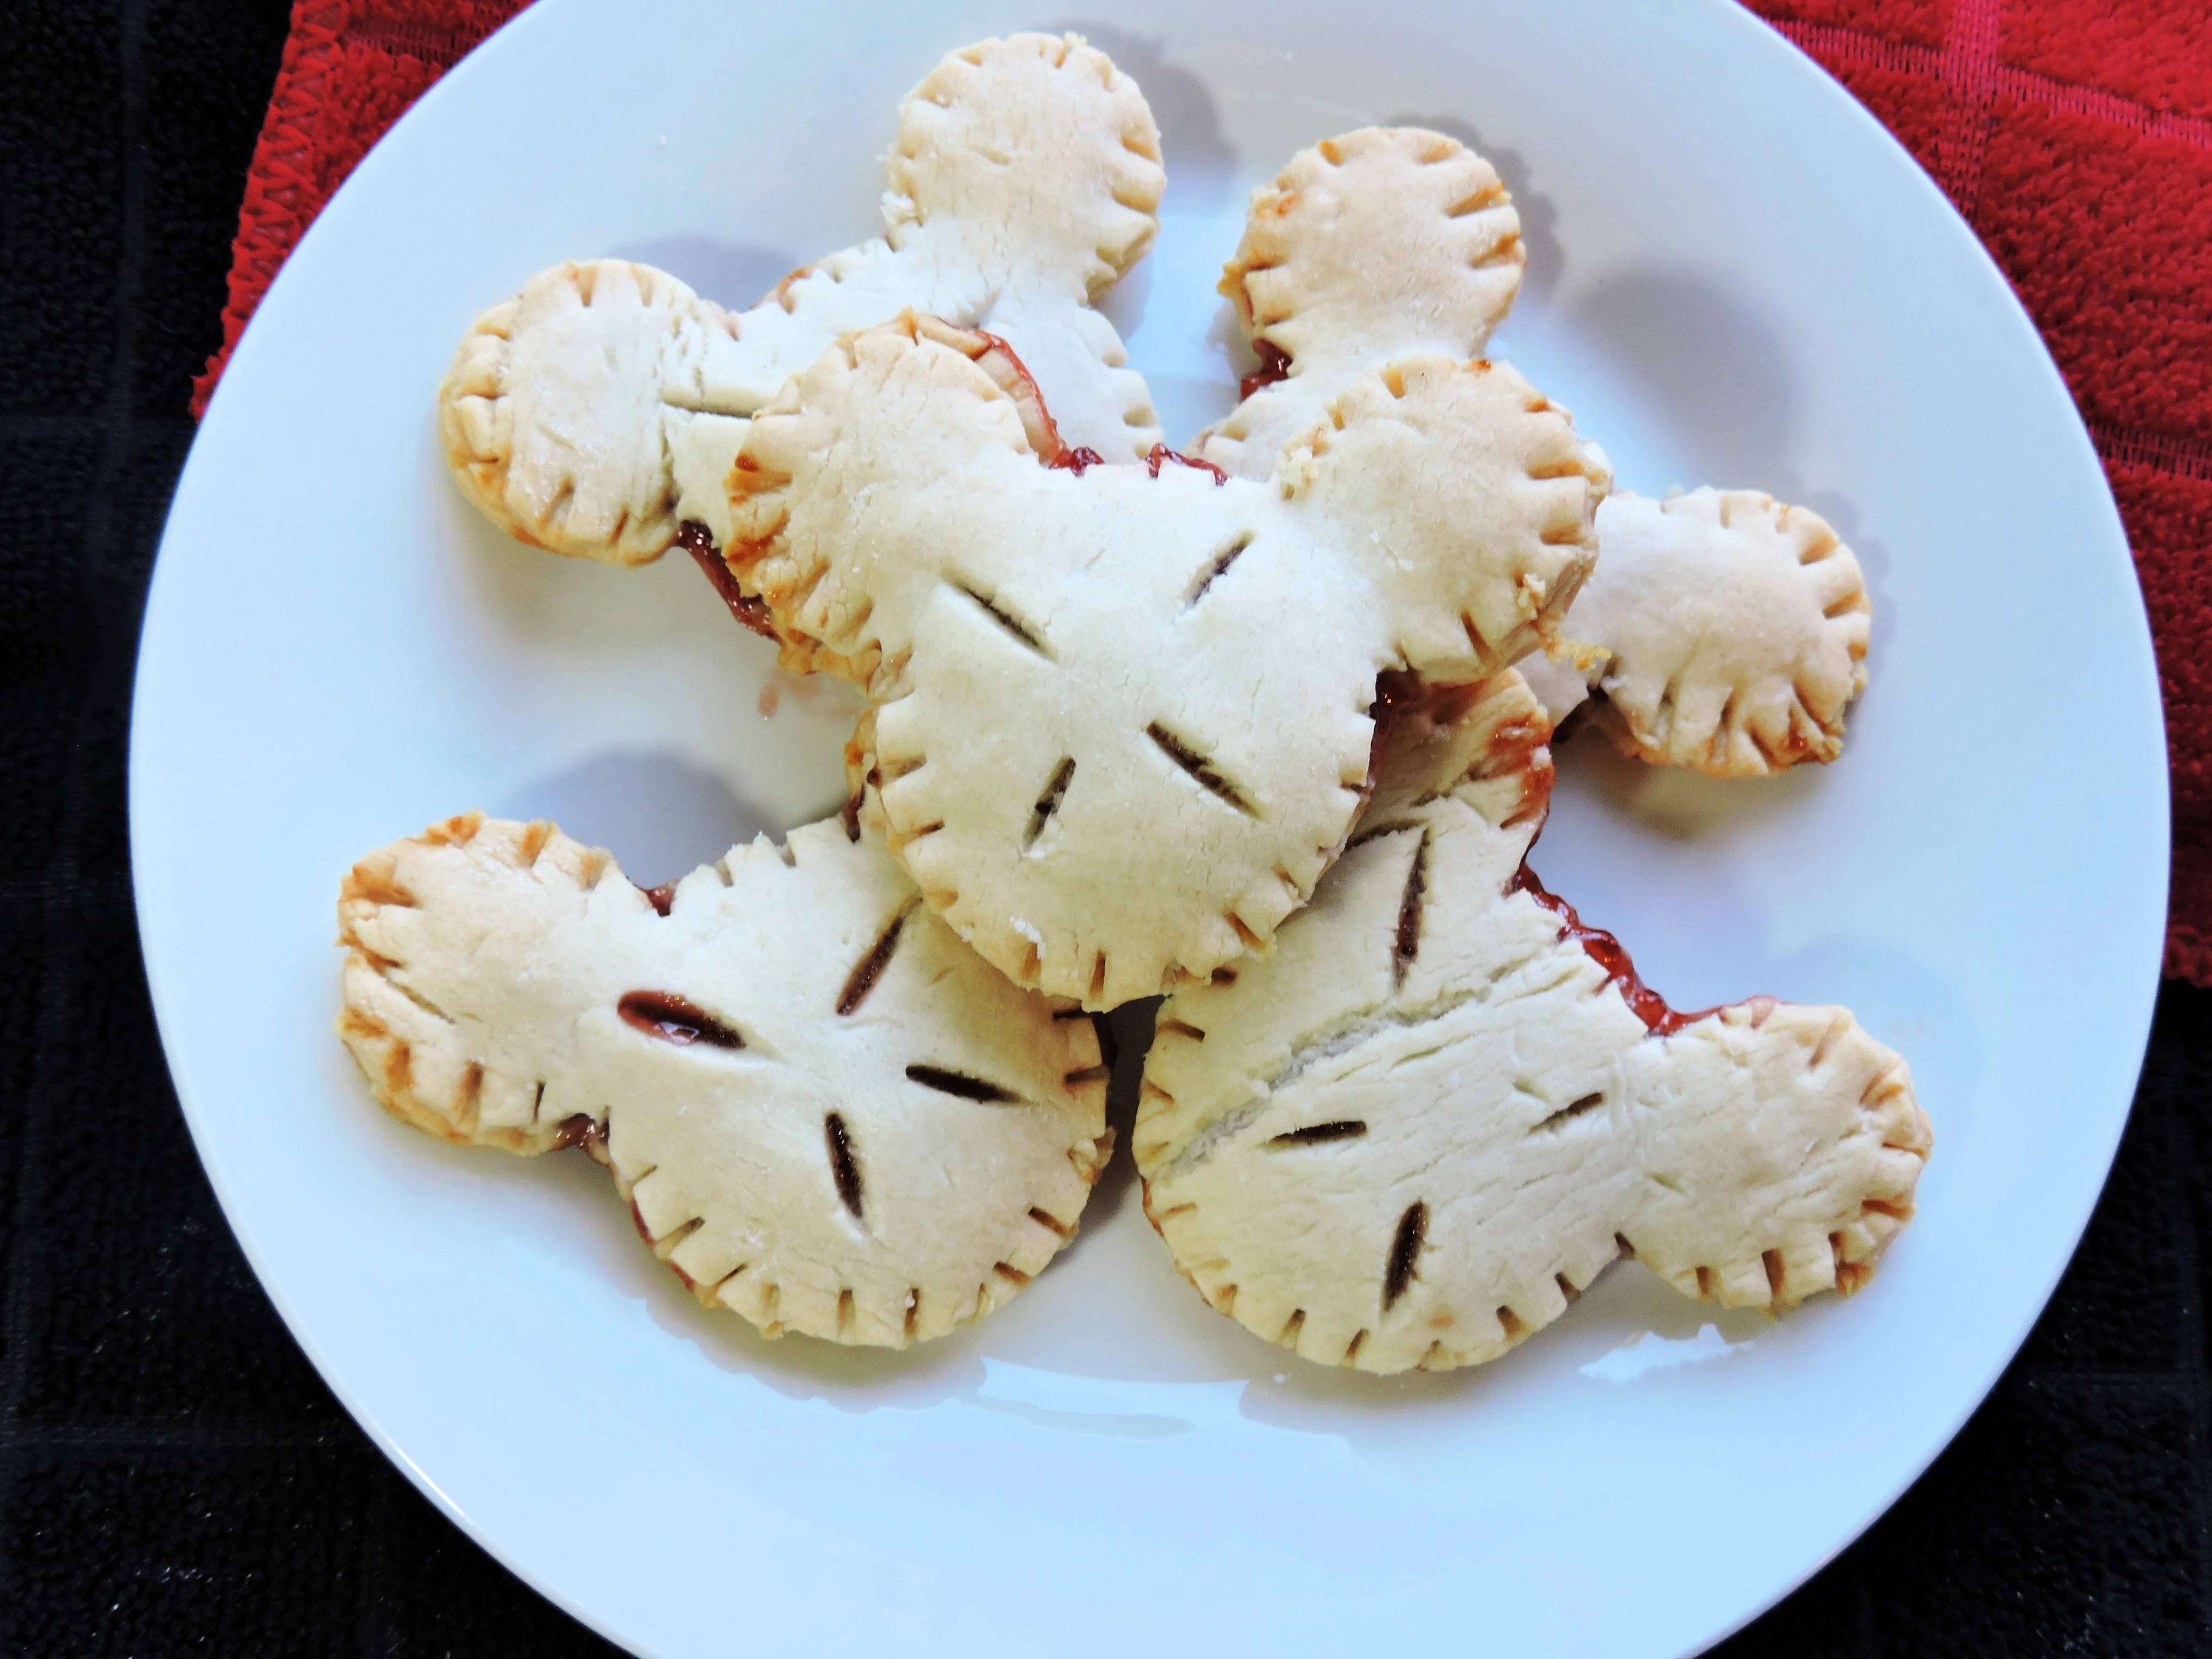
[1378,244]
[1033,153]
[1472,499]
[513,905]
[1734,630]
[564,405]
[1007,372]
[1383,244]
[830,494]
[1755,1218]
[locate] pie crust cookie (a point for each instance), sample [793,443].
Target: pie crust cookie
[826,1113]
[1728,632]
[1733,631]
[597,411]
[1122,715]
[1384,243]
[1434,1115]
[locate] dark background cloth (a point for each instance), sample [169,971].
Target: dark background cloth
[175,1478]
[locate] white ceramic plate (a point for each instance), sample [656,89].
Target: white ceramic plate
[1734,278]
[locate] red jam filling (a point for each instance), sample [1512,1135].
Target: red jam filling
[695,539]
[675,1019]
[1607,952]
[1274,368]
[1161,455]
[1055,453]
[1051,450]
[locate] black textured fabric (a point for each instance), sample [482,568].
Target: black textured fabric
[174,1478]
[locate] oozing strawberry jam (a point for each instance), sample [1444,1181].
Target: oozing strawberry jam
[1075,460]
[1602,948]
[1161,455]
[695,539]
[1274,368]
[675,1019]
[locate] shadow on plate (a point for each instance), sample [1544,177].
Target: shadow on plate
[1672,801]
[660,816]
[1710,367]
[734,275]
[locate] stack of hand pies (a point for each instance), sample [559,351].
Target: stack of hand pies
[1241,725]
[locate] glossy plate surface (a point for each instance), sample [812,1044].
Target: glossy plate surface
[1736,277]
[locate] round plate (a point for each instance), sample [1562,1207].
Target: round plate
[1734,278]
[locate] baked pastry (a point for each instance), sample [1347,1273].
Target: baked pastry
[1732,633]
[1122,714]
[1417,1131]
[1726,632]
[597,411]
[826,1112]
[1385,243]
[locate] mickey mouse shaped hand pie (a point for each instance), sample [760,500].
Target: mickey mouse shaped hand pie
[1728,632]
[1123,719]
[597,412]
[1420,1128]
[828,1114]
[1122,715]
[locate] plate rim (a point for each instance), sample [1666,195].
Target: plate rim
[545,17]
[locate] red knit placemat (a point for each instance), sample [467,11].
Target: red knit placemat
[2076,136]
[350,69]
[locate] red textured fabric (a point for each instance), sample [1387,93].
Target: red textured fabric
[350,69]
[2154,52]
[2076,136]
